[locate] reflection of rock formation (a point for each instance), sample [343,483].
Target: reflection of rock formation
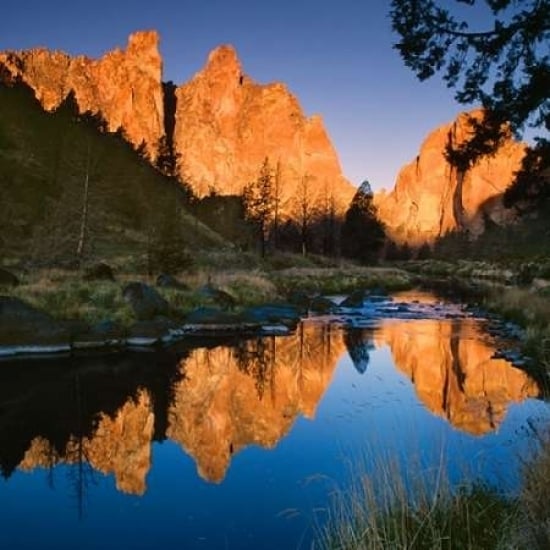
[222,400]
[454,373]
[219,408]
[120,445]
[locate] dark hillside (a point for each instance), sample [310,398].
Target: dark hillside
[64,182]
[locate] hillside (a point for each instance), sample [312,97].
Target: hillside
[46,162]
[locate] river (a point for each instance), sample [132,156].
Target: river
[241,443]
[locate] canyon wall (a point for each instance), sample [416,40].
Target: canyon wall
[124,86]
[221,123]
[432,198]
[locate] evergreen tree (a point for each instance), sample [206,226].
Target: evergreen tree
[505,67]
[259,204]
[362,233]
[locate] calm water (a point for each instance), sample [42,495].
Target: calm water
[240,444]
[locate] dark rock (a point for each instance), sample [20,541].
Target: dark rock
[218,296]
[99,272]
[320,304]
[145,301]
[213,316]
[23,324]
[355,299]
[286,314]
[154,328]
[7,278]
[165,280]
[300,299]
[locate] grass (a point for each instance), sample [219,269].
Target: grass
[341,280]
[420,510]
[417,510]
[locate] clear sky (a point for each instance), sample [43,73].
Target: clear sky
[336,56]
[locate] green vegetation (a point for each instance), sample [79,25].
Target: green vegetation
[69,192]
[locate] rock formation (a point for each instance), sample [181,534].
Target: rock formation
[226,124]
[222,124]
[432,198]
[124,87]
[454,373]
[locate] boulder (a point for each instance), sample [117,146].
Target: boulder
[23,324]
[165,280]
[213,316]
[7,278]
[286,314]
[145,301]
[218,296]
[355,299]
[320,304]
[99,272]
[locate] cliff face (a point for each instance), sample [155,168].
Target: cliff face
[431,197]
[226,124]
[124,87]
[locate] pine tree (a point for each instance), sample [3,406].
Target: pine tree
[362,233]
[259,204]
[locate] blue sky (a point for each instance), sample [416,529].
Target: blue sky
[336,56]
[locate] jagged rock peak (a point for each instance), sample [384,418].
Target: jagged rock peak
[227,124]
[223,59]
[124,87]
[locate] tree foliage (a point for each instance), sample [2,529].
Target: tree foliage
[505,67]
[259,203]
[362,233]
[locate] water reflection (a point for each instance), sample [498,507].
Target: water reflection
[216,400]
[454,374]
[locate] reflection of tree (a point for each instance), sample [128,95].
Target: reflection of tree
[81,475]
[358,346]
[257,359]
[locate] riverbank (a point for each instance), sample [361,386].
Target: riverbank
[55,311]
[420,510]
[383,511]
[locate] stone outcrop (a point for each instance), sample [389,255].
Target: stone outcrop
[222,124]
[432,198]
[227,124]
[124,87]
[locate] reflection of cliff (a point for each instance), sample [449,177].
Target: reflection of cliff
[252,394]
[221,400]
[454,373]
[120,445]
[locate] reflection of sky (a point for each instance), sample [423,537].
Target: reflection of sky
[269,498]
